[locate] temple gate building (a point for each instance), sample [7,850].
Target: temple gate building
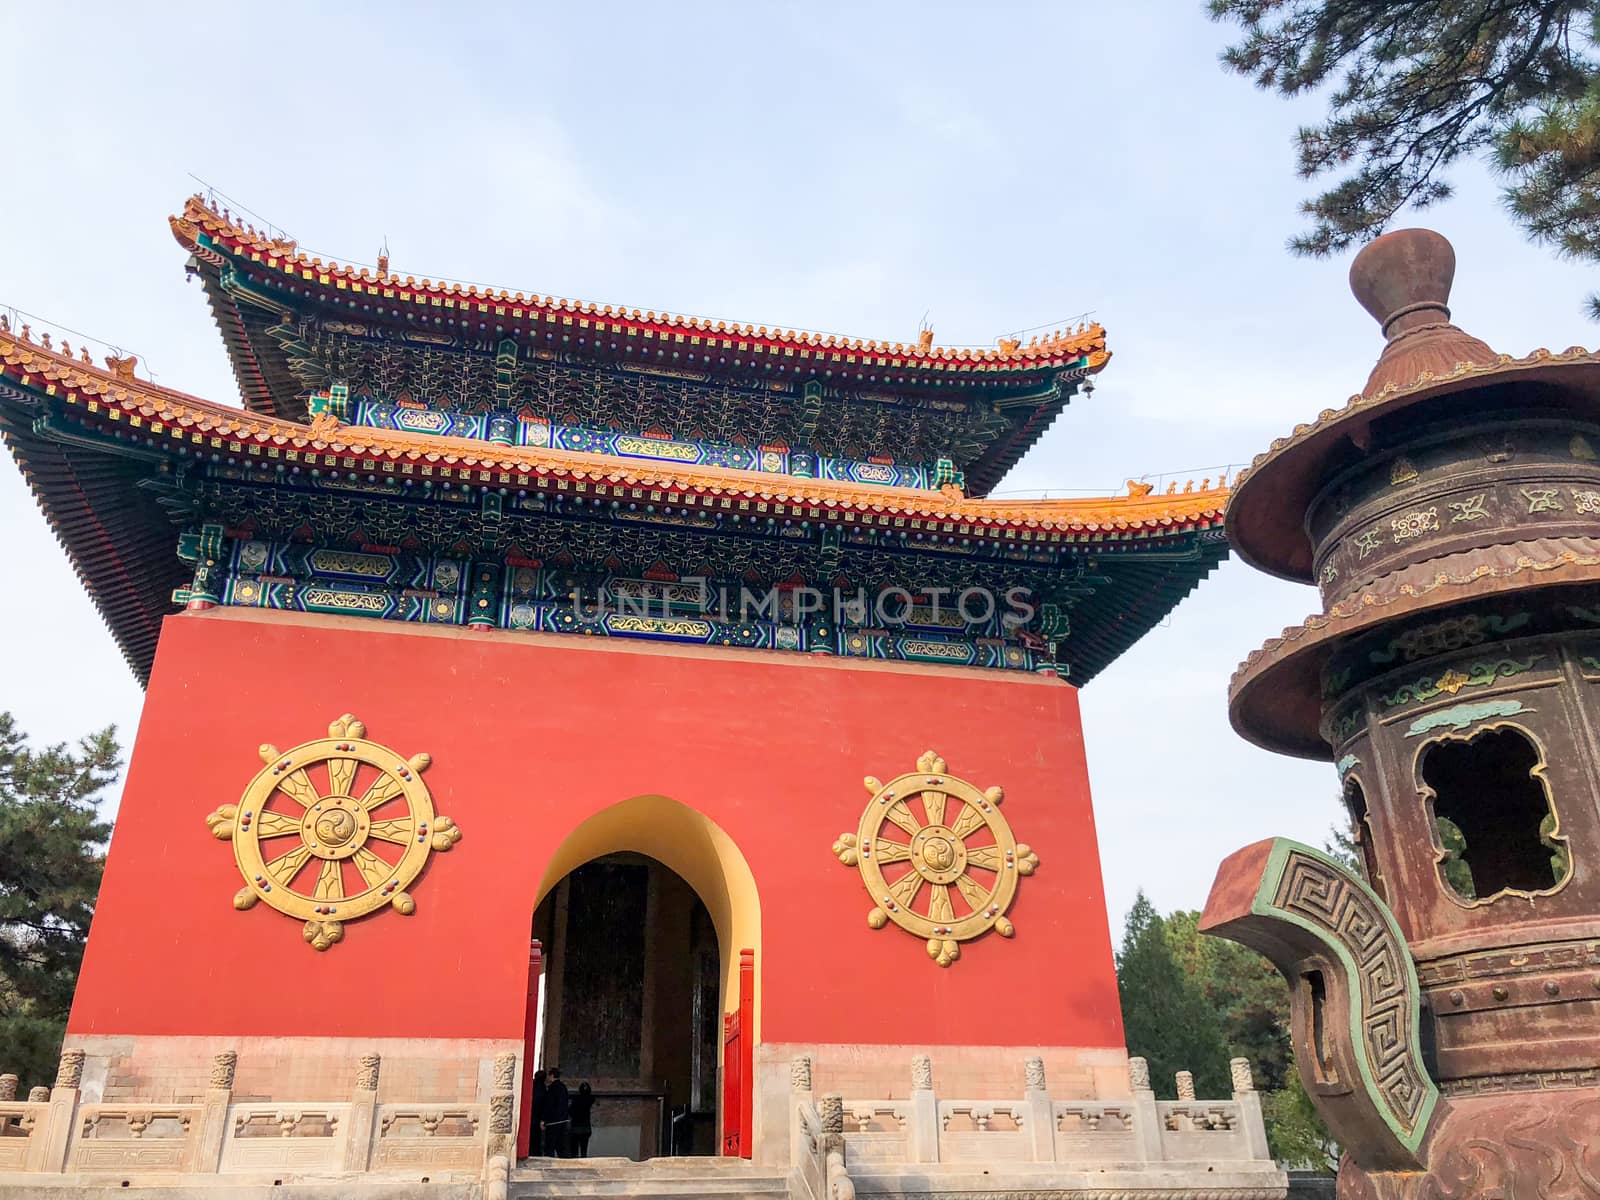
[533,682]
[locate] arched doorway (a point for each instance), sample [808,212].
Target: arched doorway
[645,912]
[633,1005]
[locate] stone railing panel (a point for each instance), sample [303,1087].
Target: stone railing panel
[1088,1131]
[136,1138]
[1196,1130]
[810,1153]
[411,1137]
[280,1137]
[21,1135]
[877,1130]
[983,1131]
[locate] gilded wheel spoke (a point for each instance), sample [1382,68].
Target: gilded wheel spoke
[330,882]
[904,890]
[271,825]
[398,831]
[341,776]
[286,866]
[901,816]
[299,788]
[373,869]
[974,893]
[938,852]
[293,855]
[987,857]
[968,822]
[886,851]
[384,789]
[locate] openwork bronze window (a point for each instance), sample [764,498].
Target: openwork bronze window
[1355,803]
[1493,818]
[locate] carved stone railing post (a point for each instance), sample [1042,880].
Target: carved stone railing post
[39,1095]
[1251,1121]
[502,1108]
[800,1095]
[63,1111]
[363,1114]
[214,1111]
[8,1087]
[497,1178]
[1185,1082]
[830,1109]
[1041,1125]
[924,1111]
[1146,1116]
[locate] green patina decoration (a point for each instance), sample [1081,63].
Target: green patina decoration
[1346,763]
[1453,633]
[1590,662]
[1476,674]
[1591,615]
[1308,889]
[1459,716]
[1343,727]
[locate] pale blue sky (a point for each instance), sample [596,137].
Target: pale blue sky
[845,167]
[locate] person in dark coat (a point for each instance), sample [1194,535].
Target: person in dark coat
[536,1117]
[582,1127]
[557,1117]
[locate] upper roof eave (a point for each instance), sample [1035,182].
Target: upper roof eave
[1266,520]
[180,414]
[1080,348]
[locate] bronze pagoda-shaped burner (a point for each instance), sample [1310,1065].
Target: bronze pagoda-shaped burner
[1446,1005]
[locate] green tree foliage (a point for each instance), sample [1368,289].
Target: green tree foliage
[51,853]
[1246,994]
[1166,1016]
[1295,1132]
[1190,1001]
[1344,849]
[1416,85]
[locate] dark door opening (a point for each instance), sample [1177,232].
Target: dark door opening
[632,1004]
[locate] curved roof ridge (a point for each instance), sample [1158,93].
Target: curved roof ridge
[1086,340]
[1141,509]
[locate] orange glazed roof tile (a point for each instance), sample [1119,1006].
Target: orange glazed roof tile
[115,394]
[1059,349]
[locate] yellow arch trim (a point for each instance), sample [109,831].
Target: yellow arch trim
[690,843]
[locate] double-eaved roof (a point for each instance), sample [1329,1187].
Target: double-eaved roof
[114,460]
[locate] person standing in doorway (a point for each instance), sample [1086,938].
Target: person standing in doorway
[557,1117]
[582,1105]
[536,1116]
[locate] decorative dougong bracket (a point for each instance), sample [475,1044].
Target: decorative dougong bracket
[333,830]
[956,845]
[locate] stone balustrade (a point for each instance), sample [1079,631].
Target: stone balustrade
[1165,1141]
[59,1132]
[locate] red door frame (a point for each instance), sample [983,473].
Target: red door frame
[530,1045]
[738,1065]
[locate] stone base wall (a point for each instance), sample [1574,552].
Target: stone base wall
[177,1070]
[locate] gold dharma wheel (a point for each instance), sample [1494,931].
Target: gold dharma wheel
[333,830]
[937,857]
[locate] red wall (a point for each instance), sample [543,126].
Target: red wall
[528,737]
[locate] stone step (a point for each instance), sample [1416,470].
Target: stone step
[724,1178]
